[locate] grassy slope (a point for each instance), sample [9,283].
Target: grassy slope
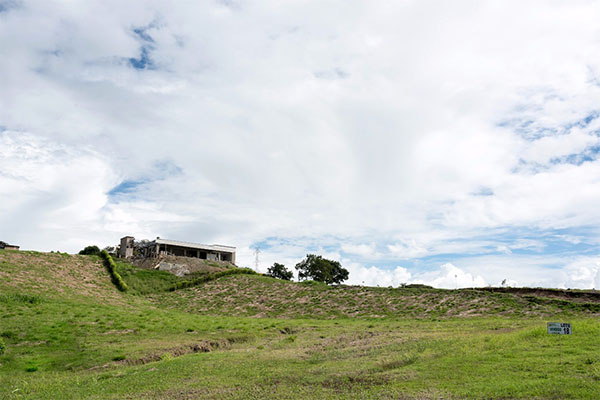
[80,338]
[260,296]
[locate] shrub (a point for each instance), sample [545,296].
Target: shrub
[110,265]
[31,368]
[90,251]
[111,250]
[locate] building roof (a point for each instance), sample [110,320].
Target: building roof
[213,247]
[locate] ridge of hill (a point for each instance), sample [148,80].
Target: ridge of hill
[73,276]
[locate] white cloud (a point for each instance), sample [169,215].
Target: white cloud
[364,250]
[408,249]
[373,276]
[389,132]
[445,276]
[52,194]
[450,277]
[583,273]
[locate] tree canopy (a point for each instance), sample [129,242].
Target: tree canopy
[90,251]
[280,271]
[321,269]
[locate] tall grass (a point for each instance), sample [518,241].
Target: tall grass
[20,298]
[145,281]
[211,277]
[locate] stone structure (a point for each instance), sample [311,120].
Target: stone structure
[129,248]
[126,247]
[6,246]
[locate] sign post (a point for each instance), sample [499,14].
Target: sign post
[559,328]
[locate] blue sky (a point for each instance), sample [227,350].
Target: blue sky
[415,141]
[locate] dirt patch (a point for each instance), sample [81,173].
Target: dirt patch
[344,383]
[120,332]
[38,343]
[204,346]
[193,394]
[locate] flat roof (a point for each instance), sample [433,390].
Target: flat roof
[214,247]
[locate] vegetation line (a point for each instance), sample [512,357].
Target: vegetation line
[210,277]
[110,265]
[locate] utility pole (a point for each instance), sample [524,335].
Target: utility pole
[256,261]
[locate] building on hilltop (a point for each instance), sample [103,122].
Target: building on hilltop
[130,248]
[6,246]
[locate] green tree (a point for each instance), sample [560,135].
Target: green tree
[279,271]
[321,270]
[90,251]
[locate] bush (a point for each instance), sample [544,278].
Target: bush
[2,346]
[110,265]
[279,271]
[111,250]
[90,251]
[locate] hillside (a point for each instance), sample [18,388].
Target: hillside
[259,296]
[71,276]
[67,332]
[56,275]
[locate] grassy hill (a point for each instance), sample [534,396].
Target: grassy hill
[69,333]
[260,296]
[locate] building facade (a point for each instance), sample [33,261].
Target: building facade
[129,248]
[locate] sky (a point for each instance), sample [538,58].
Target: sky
[454,144]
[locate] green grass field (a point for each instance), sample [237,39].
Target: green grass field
[70,334]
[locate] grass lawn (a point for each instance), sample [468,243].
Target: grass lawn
[94,342]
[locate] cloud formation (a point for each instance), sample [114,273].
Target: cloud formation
[449,144]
